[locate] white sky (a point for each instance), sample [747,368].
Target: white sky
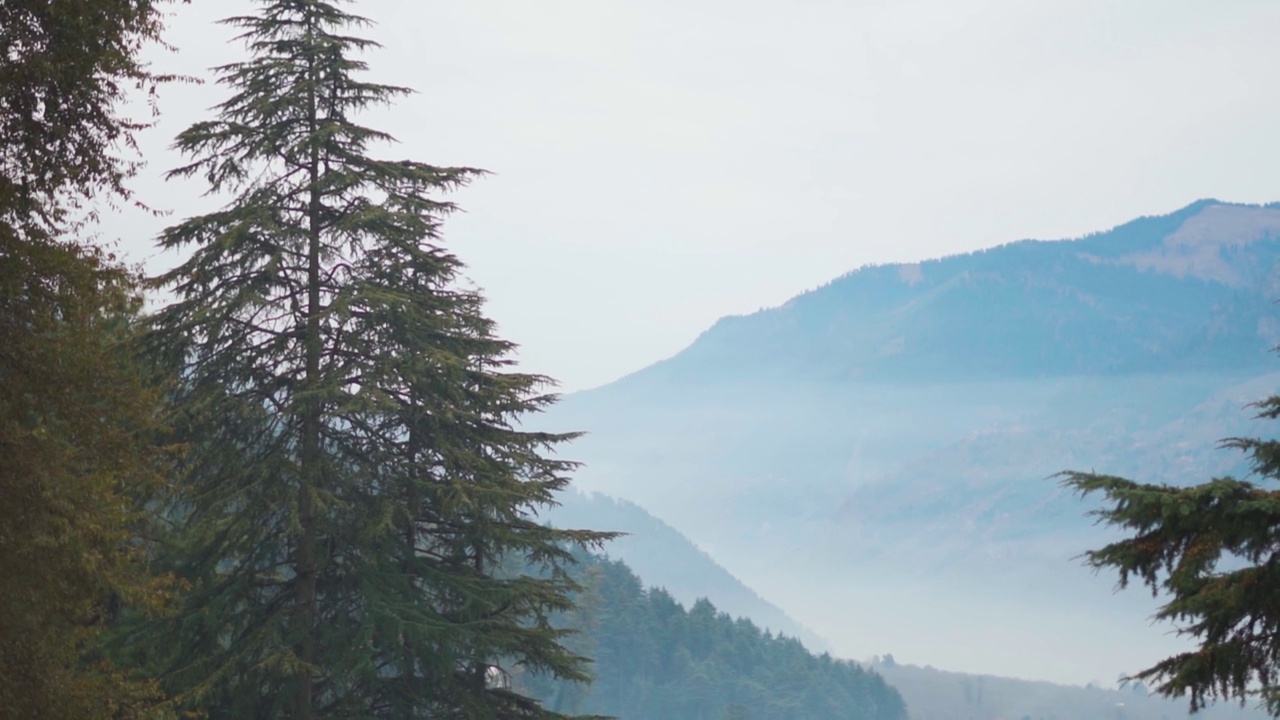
[660,164]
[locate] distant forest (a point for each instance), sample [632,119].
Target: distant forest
[655,660]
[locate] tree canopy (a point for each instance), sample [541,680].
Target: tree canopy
[76,418]
[77,410]
[65,69]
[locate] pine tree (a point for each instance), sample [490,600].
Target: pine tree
[356,474]
[1214,550]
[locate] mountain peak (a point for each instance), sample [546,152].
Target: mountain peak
[1191,289]
[1202,245]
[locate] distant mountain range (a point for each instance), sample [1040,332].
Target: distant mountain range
[874,456]
[933,694]
[1190,291]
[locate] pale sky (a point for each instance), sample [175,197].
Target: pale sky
[660,164]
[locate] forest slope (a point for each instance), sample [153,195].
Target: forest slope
[655,660]
[663,557]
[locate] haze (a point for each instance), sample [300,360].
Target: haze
[659,165]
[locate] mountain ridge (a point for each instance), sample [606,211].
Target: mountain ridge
[663,557]
[1076,286]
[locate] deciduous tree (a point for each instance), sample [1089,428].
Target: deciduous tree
[76,411]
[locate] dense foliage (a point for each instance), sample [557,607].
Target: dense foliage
[655,660]
[1214,550]
[76,411]
[65,67]
[75,415]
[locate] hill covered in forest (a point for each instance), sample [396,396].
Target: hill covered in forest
[883,447]
[1186,292]
[657,660]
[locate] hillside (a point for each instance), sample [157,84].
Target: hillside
[657,660]
[882,447]
[662,557]
[933,694]
[1189,291]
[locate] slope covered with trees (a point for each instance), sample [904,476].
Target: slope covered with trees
[664,557]
[1146,296]
[656,660]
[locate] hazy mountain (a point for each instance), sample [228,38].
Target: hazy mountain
[874,455]
[1189,291]
[665,558]
[933,694]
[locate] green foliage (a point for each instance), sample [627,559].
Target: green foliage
[65,66]
[355,471]
[77,414]
[655,660]
[75,419]
[1213,549]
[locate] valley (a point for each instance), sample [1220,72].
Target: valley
[885,445]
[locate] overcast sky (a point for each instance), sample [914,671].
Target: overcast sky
[660,164]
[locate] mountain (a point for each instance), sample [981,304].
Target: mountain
[882,447]
[1189,291]
[656,660]
[662,557]
[933,694]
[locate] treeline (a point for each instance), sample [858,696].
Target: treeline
[662,556]
[288,492]
[655,660]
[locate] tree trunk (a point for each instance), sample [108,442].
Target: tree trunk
[311,423]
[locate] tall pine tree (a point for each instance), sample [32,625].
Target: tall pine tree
[356,471]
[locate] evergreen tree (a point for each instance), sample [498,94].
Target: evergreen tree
[356,473]
[1215,550]
[76,413]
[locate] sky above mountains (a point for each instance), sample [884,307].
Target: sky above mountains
[659,165]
